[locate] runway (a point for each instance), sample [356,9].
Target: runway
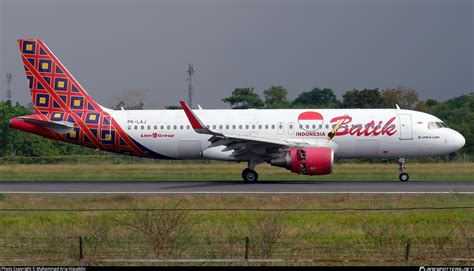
[235,187]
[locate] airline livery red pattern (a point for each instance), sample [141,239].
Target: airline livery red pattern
[57,96]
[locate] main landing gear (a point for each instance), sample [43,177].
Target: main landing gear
[403,175]
[249,174]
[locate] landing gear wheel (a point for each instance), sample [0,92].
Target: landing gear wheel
[249,175]
[404,177]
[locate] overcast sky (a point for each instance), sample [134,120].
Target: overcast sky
[113,46]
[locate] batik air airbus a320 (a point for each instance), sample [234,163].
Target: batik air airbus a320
[304,141]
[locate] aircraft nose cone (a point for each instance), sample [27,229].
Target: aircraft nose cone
[459,141]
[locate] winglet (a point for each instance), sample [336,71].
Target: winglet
[196,123]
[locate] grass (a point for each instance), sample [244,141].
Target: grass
[336,235]
[229,171]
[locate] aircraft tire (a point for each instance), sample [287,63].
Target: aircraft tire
[249,175]
[404,177]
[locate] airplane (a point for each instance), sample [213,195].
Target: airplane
[304,141]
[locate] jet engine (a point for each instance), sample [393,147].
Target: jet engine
[307,161]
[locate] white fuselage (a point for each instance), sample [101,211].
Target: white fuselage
[365,133]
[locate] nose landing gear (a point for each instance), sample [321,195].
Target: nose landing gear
[404,177]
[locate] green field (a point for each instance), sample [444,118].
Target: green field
[191,170]
[328,229]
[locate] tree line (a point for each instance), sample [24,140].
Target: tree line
[277,97]
[457,113]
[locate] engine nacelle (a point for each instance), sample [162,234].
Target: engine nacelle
[307,161]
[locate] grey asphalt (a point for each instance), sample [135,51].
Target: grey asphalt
[234,187]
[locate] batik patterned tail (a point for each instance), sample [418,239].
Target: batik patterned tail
[58,97]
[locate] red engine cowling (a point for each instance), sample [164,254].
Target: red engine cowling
[307,161]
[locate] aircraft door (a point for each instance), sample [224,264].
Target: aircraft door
[280,128]
[291,128]
[406,129]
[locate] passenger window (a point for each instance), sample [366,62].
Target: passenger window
[227,127]
[266,126]
[327,126]
[321,126]
[188,127]
[143,127]
[168,127]
[149,127]
[301,126]
[253,127]
[162,127]
[220,127]
[136,127]
[307,126]
[155,127]
[273,126]
[246,127]
[291,126]
[175,127]
[129,127]
[213,126]
[281,126]
[259,127]
[233,127]
[181,127]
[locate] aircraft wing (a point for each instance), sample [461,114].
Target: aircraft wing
[241,145]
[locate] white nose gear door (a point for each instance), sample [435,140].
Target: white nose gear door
[406,131]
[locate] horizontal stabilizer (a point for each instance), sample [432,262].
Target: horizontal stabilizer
[60,127]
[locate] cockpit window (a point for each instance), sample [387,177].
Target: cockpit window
[436,125]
